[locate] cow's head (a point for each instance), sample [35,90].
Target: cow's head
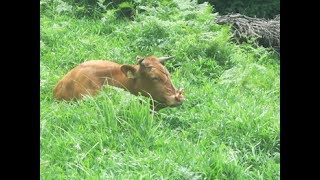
[152,78]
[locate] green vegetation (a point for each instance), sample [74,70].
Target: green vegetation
[228,128]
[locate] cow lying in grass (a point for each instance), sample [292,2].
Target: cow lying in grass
[148,77]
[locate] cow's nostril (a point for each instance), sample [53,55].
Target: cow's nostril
[178,97]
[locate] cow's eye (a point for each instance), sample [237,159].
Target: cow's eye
[156,78]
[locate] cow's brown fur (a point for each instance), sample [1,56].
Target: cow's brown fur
[148,78]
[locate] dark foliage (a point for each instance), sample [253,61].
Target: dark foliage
[254,8]
[96,8]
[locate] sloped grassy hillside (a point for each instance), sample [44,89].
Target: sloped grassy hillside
[228,127]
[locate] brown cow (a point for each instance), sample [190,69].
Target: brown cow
[149,77]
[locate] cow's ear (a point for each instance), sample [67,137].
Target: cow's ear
[129,71]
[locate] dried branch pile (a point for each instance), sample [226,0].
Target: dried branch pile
[266,32]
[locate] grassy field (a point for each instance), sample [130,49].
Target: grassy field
[228,127]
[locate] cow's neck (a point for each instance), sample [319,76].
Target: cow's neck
[132,86]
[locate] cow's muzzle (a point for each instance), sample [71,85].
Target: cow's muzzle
[177,99]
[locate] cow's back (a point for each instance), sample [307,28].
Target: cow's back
[85,79]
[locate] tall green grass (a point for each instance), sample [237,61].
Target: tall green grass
[228,127]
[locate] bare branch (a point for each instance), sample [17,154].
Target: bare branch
[266,32]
